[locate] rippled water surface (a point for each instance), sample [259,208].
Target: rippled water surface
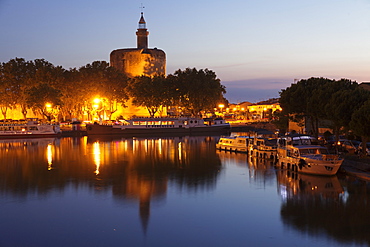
[169,192]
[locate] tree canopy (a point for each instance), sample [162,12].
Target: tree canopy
[191,89]
[318,99]
[148,92]
[32,84]
[42,98]
[24,82]
[360,123]
[199,90]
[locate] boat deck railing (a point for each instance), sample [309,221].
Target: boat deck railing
[324,157]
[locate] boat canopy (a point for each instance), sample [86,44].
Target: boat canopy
[297,140]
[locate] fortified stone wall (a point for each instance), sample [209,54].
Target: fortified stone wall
[137,62]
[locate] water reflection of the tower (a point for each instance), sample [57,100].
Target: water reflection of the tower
[135,169]
[150,164]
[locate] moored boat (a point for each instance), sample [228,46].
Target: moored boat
[28,128]
[160,126]
[233,143]
[264,148]
[303,154]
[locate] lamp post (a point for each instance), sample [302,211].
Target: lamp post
[264,113]
[48,110]
[221,106]
[96,103]
[97,106]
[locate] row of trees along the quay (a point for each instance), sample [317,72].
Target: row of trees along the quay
[53,91]
[61,94]
[342,103]
[191,90]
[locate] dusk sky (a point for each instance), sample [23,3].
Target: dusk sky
[255,47]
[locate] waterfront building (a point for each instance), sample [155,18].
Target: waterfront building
[138,61]
[261,111]
[305,126]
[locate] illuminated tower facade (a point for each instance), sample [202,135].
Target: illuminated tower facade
[141,60]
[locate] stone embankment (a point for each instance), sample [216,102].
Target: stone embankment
[355,166]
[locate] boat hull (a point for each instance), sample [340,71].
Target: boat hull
[28,128]
[96,129]
[301,153]
[310,166]
[19,136]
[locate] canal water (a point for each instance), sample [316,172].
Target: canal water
[175,191]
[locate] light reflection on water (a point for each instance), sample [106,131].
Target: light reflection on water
[175,191]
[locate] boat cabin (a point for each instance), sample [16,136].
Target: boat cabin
[234,143]
[297,140]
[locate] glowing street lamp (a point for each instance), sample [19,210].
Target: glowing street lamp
[264,113]
[221,106]
[49,109]
[96,103]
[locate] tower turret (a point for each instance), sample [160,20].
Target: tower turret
[142,34]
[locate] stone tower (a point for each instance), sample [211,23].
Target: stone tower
[142,34]
[141,60]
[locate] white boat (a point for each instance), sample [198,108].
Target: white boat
[28,128]
[160,126]
[303,154]
[234,143]
[264,148]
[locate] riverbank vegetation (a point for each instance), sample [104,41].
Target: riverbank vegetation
[52,91]
[342,103]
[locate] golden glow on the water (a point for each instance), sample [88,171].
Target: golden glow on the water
[135,146]
[84,144]
[96,153]
[179,148]
[160,146]
[49,153]
[126,145]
